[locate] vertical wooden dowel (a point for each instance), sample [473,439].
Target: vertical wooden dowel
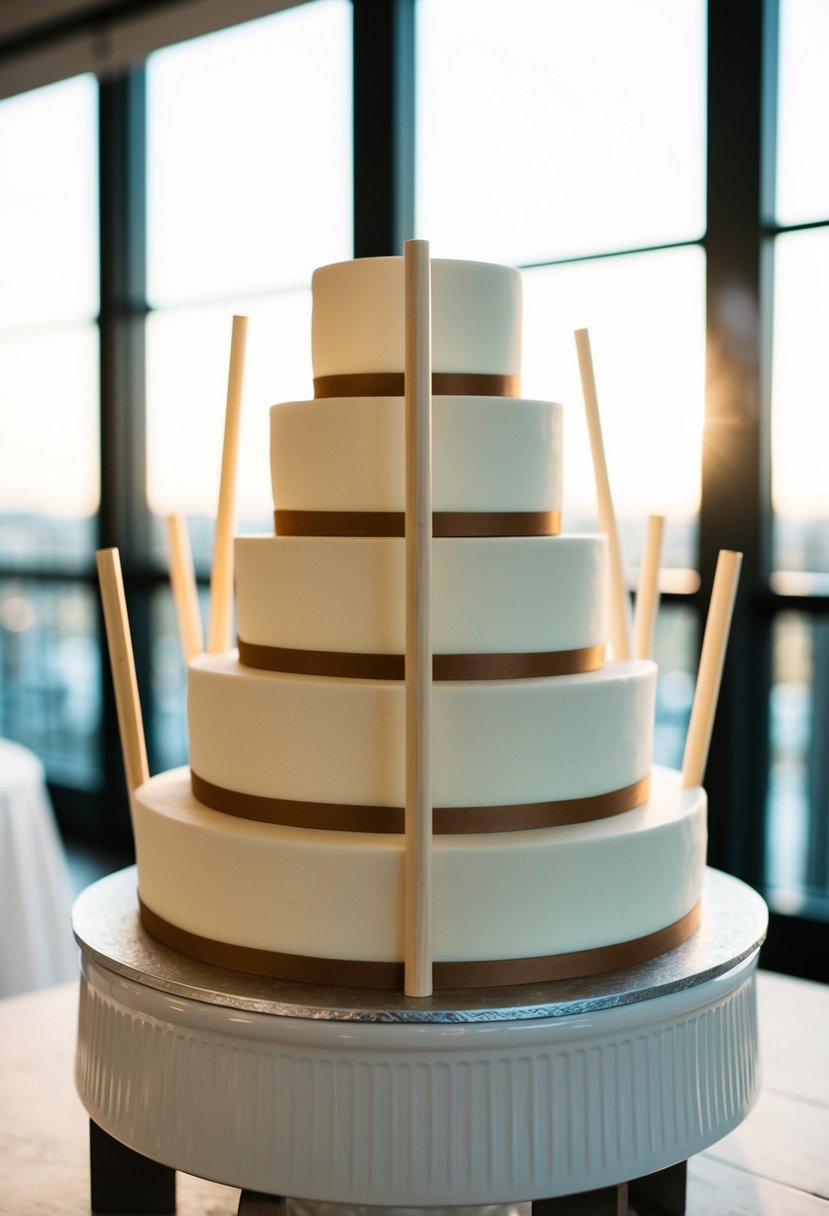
[647,591]
[418,862]
[122,662]
[220,625]
[620,615]
[712,660]
[185,589]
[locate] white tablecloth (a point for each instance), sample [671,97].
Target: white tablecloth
[36,943]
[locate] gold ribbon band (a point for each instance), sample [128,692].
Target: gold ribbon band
[351,973]
[446,820]
[511,666]
[392,523]
[391,384]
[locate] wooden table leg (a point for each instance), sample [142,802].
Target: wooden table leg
[251,1203]
[609,1201]
[124,1183]
[662,1193]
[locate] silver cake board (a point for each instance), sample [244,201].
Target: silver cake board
[360,1098]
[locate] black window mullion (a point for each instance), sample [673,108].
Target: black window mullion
[736,500]
[384,125]
[123,519]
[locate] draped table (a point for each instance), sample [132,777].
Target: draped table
[36,944]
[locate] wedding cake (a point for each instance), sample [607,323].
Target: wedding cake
[558,848]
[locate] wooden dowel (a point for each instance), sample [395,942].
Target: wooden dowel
[647,592]
[418,863]
[620,614]
[712,659]
[122,662]
[220,626]
[185,590]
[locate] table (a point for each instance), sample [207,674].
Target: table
[36,944]
[775,1164]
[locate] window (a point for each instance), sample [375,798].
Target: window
[800,407]
[797,836]
[802,178]
[49,454]
[646,316]
[248,189]
[48,300]
[539,144]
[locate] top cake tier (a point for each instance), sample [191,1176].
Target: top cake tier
[357,326]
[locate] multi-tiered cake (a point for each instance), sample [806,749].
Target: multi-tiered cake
[558,850]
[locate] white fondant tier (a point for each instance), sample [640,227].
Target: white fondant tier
[500,742]
[339,895]
[511,594]
[358,317]
[348,454]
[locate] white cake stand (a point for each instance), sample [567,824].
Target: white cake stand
[467,1098]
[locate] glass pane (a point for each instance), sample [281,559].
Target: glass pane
[646,316]
[548,129]
[803,106]
[187,360]
[169,683]
[49,204]
[249,156]
[50,686]
[49,445]
[675,651]
[800,402]
[797,830]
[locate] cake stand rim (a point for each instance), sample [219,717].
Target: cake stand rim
[108,931]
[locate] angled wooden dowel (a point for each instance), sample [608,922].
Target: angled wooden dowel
[220,625]
[184,587]
[620,614]
[647,591]
[712,660]
[122,662]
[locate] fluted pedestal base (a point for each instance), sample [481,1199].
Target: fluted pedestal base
[474,1100]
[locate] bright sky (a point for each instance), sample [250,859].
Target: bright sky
[187,360]
[539,135]
[249,156]
[49,277]
[800,375]
[802,166]
[646,317]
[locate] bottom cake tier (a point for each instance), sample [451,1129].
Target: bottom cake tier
[510,907]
